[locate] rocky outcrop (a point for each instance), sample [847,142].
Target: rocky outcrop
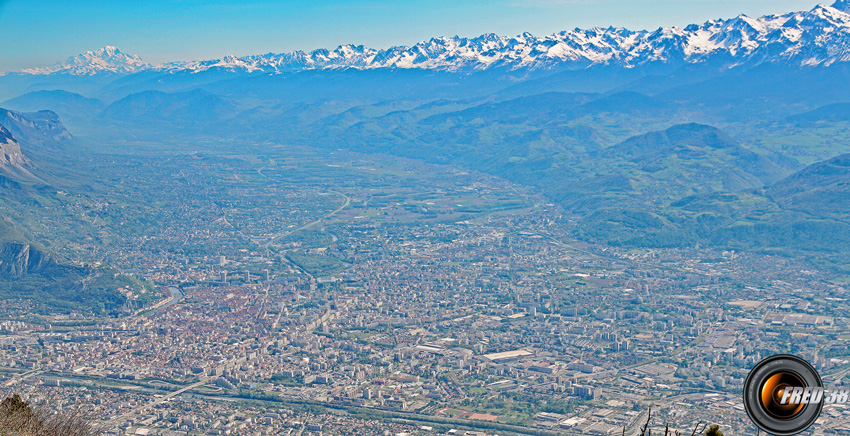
[43,129]
[13,164]
[10,150]
[19,259]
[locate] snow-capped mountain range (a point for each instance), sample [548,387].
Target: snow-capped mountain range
[105,60]
[820,36]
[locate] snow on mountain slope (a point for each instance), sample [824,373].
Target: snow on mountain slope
[820,36]
[106,60]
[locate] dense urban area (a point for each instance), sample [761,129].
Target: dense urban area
[325,293]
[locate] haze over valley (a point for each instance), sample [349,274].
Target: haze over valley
[533,235]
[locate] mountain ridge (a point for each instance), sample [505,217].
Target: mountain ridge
[42,129]
[108,59]
[18,259]
[13,163]
[816,37]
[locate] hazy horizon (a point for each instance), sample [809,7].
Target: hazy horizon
[43,33]
[597,232]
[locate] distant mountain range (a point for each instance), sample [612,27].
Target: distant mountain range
[820,36]
[718,134]
[105,60]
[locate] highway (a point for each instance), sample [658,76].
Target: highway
[314,223]
[159,400]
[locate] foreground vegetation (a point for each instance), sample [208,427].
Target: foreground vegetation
[18,418]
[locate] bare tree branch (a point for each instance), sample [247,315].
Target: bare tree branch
[697,429]
[646,425]
[19,418]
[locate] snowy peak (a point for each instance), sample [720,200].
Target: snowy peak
[826,15]
[228,63]
[820,36]
[105,60]
[232,63]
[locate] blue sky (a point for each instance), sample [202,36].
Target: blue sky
[43,32]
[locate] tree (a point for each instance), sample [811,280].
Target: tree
[713,430]
[14,405]
[646,431]
[17,417]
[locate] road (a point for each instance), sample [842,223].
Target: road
[314,223]
[22,377]
[120,419]
[306,226]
